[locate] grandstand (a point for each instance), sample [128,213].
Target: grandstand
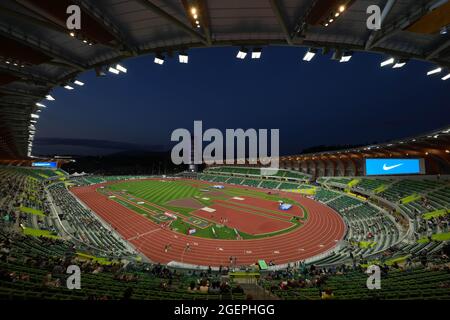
[54,223]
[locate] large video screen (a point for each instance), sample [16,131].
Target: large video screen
[51,165]
[377,167]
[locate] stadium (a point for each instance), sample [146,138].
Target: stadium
[310,230]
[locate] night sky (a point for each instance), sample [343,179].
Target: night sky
[315,103]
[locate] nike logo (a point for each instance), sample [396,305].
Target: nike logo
[387,168]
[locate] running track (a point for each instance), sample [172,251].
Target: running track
[320,233]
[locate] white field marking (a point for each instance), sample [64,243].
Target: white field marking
[141,202]
[205,198]
[220,249]
[277,252]
[111,197]
[248,251]
[144,234]
[238,198]
[321,245]
[195,243]
[207,209]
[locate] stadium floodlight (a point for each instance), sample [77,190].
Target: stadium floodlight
[33,121]
[79,83]
[387,62]
[113,70]
[34,116]
[67,87]
[159,59]
[399,64]
[40,105]
[183,57]
[242,53]
[445,78]
[434,71]
[49,98]
[346,56]
[310,54]
[256,53]
[121,68]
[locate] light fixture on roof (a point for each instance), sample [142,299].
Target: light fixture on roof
[445,78]
[256,53]
[444,30]
[336,14]
[79,83]
[113,70]
[121,68]
[49,98]
[242,53]
[434,71]
[33,121]
[346,56]
[72,34]
[194,10]
[399,64]
[159,59]
[310,54]
[341,8]
[183,57]
[40,105]
[67,87]
[387,62]
[34,116]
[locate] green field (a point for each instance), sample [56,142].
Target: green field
[152,198]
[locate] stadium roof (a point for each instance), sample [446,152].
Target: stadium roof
[39,53]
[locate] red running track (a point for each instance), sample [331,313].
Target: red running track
[320,233]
